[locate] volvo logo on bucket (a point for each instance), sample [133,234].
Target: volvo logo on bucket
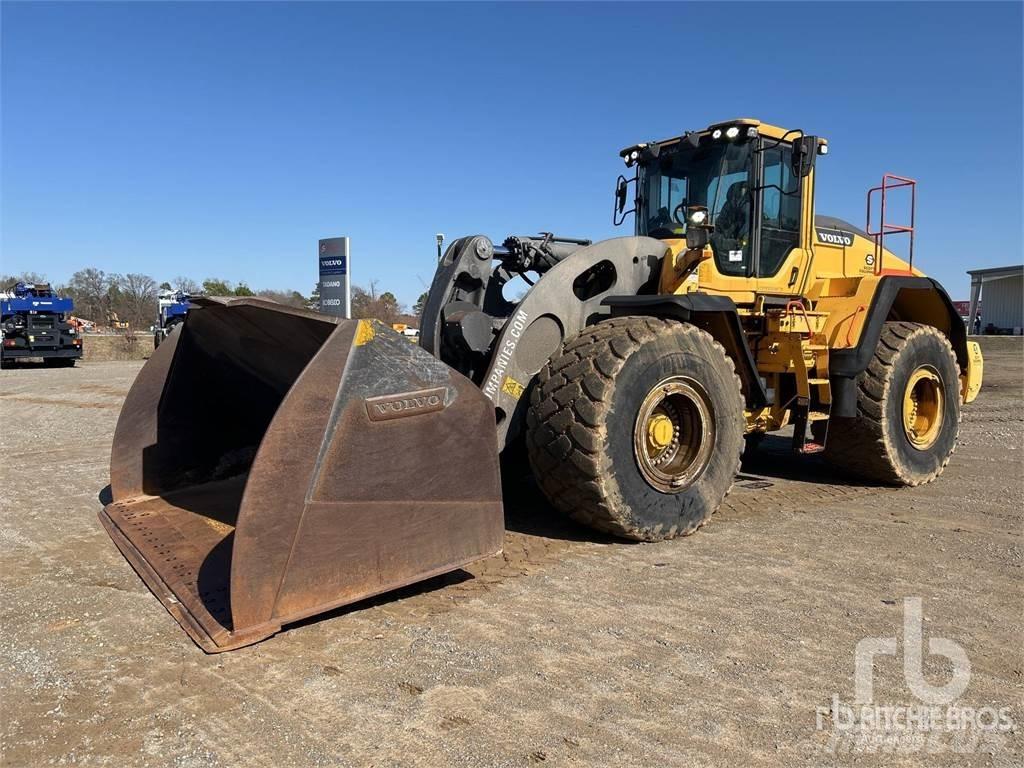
[333,257]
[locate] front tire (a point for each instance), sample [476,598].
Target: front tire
[908,410]
[636,427]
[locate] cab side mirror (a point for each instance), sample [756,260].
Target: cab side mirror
[619,212]
[620,194]
[805,150]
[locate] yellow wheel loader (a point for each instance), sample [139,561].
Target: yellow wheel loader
[271,463]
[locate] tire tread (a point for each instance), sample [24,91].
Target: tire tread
[566,441]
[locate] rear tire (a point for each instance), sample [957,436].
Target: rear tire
[908,410]
[596,404]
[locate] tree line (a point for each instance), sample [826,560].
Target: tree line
[103,297]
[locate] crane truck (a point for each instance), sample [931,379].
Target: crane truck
[36,323]
[173,306]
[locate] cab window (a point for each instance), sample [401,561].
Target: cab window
[729,199]
[780,211]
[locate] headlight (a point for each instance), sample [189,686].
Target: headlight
[716,134]
[732,132]
[698,217]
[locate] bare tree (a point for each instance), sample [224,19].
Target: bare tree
[138,299]
[367,303]
[89,289]
[187,285]
[289,298]
[30,278]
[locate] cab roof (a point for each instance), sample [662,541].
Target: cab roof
[763,129]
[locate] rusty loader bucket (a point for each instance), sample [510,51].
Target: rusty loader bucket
[271,463]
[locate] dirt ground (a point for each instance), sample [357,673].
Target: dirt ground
[568,649]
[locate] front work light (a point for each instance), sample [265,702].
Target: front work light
[732,132]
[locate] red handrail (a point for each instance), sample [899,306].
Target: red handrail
[891,181]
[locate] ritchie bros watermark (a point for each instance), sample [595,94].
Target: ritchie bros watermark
[935,722]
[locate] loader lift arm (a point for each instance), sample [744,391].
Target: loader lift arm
[502,345]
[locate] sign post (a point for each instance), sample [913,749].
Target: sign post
[334,277]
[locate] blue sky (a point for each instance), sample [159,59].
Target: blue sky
[208,139]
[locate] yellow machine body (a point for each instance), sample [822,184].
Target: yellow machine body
[819,300]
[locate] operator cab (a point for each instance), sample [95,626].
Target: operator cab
[741,184]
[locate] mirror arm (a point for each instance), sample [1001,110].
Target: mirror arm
[778,141]
[792,193]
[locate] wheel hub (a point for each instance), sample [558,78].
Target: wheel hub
[923,407]
[660,431]
[674,434]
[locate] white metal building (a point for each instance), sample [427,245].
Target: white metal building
[1001,292]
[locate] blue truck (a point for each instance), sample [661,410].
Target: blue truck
[173,306]
[36,323]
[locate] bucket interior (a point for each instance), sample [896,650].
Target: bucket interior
[231,370]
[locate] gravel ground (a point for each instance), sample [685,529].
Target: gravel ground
[724,648]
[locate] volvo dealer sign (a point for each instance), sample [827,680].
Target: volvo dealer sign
[334,285]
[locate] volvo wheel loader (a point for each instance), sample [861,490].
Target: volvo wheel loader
[271,463]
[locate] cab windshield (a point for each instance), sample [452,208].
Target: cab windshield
[713,174]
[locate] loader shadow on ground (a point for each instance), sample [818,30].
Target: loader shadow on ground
[528,512]
[537,534]
[395,596]
[774,459]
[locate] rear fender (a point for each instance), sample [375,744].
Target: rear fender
[912,299]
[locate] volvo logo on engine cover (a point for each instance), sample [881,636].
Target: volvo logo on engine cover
[834,237]
[406,404]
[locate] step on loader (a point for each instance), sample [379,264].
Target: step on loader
[271,463]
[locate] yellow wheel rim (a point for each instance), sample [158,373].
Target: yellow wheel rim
[674,434]
[922,407]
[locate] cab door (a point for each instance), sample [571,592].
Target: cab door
[783,203]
